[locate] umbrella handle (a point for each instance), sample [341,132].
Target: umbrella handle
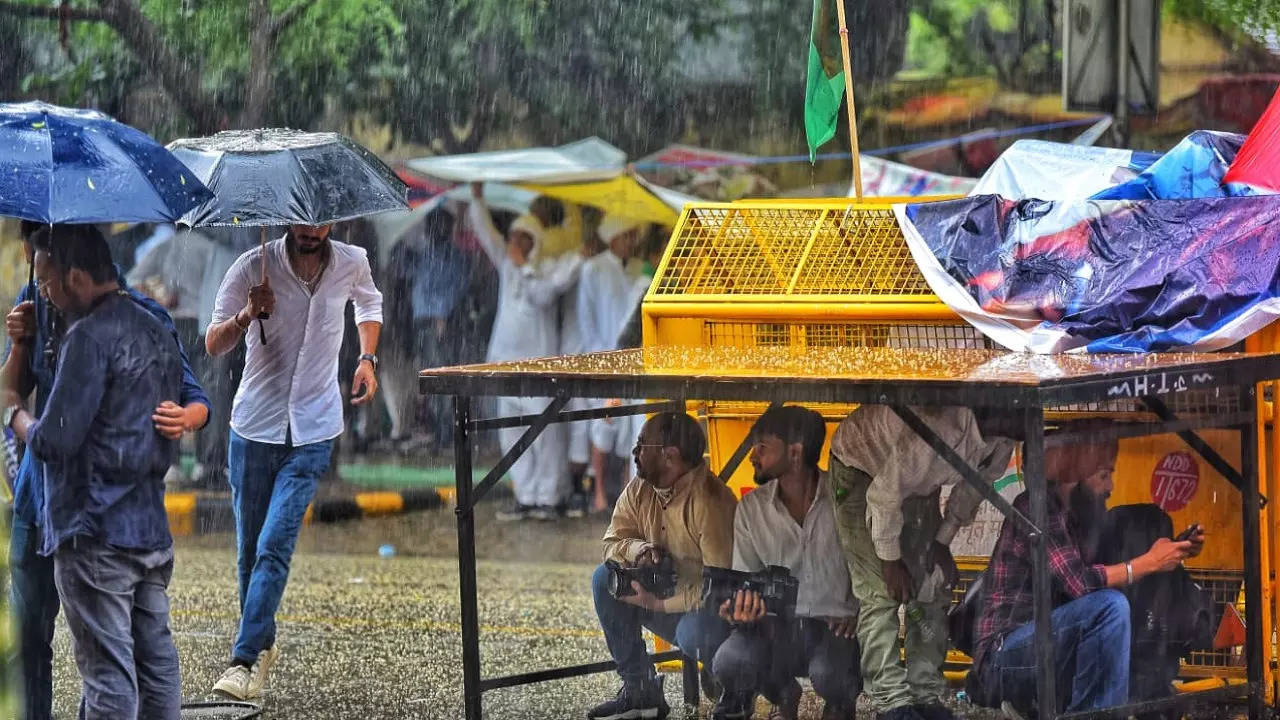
[262,252]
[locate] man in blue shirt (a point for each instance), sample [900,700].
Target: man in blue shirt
[34,326]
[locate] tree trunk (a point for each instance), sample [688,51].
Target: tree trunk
[12,59]
[877,39]
[261,83]
[179,77]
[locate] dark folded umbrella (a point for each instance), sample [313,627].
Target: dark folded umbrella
[287,177]
[64,165]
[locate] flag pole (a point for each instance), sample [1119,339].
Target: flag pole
[848,99]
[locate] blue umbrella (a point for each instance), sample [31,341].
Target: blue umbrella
[64,165]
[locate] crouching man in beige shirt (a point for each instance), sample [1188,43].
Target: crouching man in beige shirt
[674,508]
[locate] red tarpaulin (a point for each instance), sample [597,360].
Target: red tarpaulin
[1258,162]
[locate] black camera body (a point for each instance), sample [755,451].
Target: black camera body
[658,579]
[774,584]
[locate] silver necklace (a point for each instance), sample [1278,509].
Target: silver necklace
[314,280]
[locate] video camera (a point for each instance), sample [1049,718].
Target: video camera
[774,584]
[658,579]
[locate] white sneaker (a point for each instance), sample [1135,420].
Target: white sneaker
[258,676]
[234,683]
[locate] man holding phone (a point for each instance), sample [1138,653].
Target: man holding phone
[1091,620]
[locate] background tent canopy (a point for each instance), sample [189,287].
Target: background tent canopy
[588,172]
[621,196]
[581,161]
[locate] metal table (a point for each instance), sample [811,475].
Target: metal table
[1180,393]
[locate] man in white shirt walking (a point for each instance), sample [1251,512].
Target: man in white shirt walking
[287,411]
[789,522]
[887,483]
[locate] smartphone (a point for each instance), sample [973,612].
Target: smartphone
[1188,533]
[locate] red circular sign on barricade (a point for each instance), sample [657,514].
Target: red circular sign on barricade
[1175,481]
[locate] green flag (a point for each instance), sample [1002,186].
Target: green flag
[824,86]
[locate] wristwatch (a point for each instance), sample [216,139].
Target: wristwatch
[373,359]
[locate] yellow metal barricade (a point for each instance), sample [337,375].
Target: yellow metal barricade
[835,272]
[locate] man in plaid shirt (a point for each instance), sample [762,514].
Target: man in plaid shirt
[1091,620]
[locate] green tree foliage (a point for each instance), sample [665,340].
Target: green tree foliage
[554,69]
[222,63]
[1013,40]
[1230,16]
[451,73]
[558,70]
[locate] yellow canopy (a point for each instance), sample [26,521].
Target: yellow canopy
[621,196]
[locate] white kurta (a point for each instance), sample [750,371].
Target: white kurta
[526,327]
[571,344]
[605,303]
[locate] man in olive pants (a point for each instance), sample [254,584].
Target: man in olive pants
[886,482]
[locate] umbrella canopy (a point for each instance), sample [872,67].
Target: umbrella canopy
[287,177]
[64,165]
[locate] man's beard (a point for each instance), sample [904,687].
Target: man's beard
[764,475]
[1087,509]
[306,244]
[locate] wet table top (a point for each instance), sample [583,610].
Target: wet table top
[990,378]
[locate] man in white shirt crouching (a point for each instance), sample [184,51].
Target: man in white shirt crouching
[287,411]
[788,521]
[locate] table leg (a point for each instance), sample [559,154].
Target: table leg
[1041,578]
[466,558]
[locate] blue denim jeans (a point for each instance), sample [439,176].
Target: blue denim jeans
[117,610]
[697,633]
[1091,651]
[35,607]
[271,486]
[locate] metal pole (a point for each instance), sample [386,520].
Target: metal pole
[689,678]
[466,558]
[1252,557]
[848,99]
[1122,80]
[1204,449]
[1041,580]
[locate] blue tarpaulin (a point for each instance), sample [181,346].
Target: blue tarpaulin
[1177,262]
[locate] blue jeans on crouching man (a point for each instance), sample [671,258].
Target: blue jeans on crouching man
[271,487]
[697,633]
[1091,651]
